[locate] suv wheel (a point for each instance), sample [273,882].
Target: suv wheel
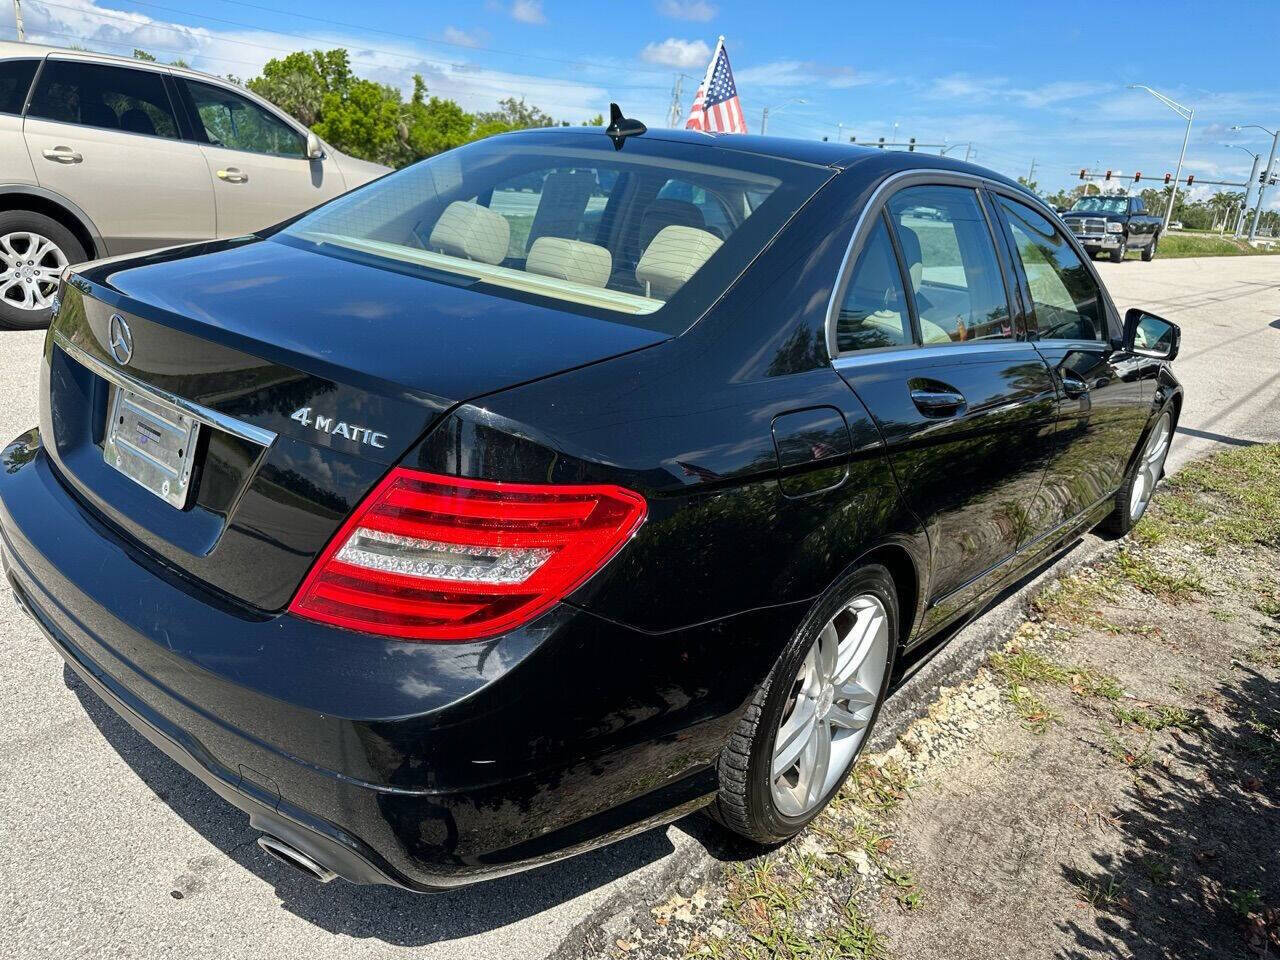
[804,729]
[1149,251]
[33,250]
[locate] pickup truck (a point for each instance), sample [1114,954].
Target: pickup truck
[1114,224]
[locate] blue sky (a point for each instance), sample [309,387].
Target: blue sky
[1022,82]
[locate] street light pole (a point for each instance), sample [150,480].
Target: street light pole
[764,114]
[1266,175]
[1187,114]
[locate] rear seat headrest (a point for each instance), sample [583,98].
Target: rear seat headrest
[471,231]
[674,256]
[570,260]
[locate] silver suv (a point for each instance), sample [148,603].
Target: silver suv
[103,155]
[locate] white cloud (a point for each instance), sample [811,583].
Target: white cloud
[528,11]
[682,54]
[698,11]
[799,73]
[461,37]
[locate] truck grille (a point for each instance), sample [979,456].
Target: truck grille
[1088,226]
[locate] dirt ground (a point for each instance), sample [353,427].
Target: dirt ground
[1108,784]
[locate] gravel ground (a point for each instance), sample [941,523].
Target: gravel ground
[101,830]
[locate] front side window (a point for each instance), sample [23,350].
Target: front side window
[113,98]
[15,81]
[1064,296]
[623,232]
[874,311]
[951,261]
[237,123]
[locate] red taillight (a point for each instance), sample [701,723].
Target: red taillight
[429,557]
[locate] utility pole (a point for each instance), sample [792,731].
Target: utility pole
[1262,186]
[17,18]
[675,112]
[764,121]
[1248,192]
[1032,174]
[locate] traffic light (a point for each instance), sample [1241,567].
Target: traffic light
[1108,175]
[1191,178]
[1167,178]
[1137,176]
[1082,173]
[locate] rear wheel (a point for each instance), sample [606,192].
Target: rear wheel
[33,250]
[1134,495]
[808,722]
[1149,251]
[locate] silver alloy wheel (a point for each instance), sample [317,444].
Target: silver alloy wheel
[31,266]
[832,699]
[1150,467]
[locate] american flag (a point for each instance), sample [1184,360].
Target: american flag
[716,105]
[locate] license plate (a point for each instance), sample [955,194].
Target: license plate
[151,442]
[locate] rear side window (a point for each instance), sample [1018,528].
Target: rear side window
[1065,298]
[113,98]
[951,261]
[15,81]
[237,123]
[874,311]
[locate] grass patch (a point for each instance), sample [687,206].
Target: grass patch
[1205,245]
[1156,719]
[1146,575]
[1100,893]
[1232,497]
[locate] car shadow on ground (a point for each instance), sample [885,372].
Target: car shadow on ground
[384,913]
[1197,877]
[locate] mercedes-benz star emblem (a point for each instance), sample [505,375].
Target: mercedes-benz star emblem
[121,345]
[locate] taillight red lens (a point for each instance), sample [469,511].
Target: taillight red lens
[429,557]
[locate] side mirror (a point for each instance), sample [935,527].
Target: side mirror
[1150,336]
[315,149]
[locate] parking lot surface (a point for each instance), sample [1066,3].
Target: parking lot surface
[109,848]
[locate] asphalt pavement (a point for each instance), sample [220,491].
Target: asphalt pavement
[108,848]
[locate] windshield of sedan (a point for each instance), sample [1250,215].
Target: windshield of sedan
[1101,205]
[623,233]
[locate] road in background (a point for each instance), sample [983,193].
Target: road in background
[110,848]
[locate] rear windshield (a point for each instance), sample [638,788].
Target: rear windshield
[649,235]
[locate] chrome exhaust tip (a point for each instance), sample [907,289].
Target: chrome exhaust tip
[293,857]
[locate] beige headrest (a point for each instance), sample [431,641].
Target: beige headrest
[472,232]
[570,260]
[674,256]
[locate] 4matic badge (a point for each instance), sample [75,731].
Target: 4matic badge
[339,428]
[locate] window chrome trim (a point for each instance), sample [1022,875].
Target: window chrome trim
[931,176]
[851,359]
[206,415]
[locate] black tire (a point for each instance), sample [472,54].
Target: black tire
[745,803]
[13,316]
[1122,517]
[1118,253]
[1149,251]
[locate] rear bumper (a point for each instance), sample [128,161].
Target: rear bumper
[426,766]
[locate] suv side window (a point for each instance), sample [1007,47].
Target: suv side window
[1065,298]
[97,95]
[15,81]
[874,312]
[951,260]
[229,120]
[1137,206]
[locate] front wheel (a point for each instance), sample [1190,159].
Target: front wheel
[1117,254]
[799,738]
[1149,251]
[1134,495]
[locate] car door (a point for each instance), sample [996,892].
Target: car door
[926,338]
[1104,400]
[15,83]
[259,164]
[107,138]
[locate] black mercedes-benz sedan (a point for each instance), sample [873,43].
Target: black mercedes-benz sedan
[561,484]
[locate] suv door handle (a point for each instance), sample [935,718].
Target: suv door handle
[233,175]
[1072,385]
[933,402]
[62,155]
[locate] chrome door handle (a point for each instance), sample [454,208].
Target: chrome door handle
[233,175]
[937,403]
[62,155]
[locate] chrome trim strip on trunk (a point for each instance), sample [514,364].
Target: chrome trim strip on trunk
[220,421]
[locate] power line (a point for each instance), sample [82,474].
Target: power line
[188,31]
